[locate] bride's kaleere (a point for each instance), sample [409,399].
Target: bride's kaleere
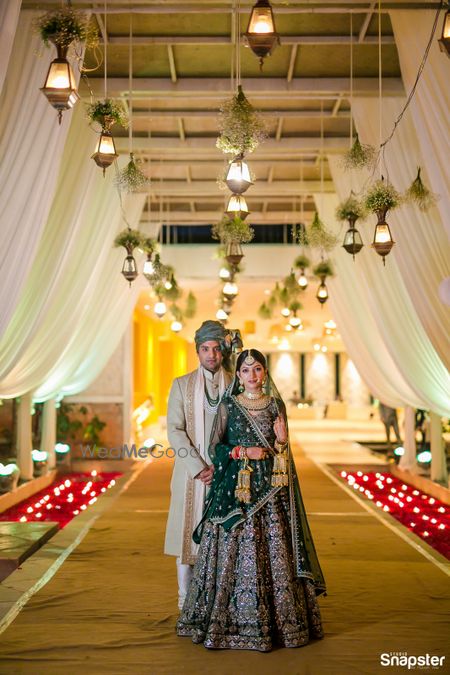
[257,576]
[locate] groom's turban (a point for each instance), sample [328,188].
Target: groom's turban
[214,330]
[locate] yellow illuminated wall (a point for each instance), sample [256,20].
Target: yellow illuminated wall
[159,356]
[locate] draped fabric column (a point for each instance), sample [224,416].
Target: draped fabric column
[431,103]
[31,147]
[48,432]
[438,455]
[9,16]
[75,278]
[408,459]
[356,322]
[24,439]
[422,250]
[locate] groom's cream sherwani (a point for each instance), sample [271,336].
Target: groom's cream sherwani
[189,426]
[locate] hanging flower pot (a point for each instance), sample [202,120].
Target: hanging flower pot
[107,112]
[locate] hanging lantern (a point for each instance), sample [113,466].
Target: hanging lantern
[261,32]
[105,154]
[237,207]
[129,269]
[221,315]
[322,292]
[234,253]
[444,42]
[295,321]
[302,280]
[238,176]
[224,273]
[230,290]
[176,326]
[149,268]
[352,240]
[160,309]
[60,87]
[382,240]
[285,311]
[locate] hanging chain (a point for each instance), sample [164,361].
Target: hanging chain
[130,87]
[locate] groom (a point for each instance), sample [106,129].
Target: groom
[192,405]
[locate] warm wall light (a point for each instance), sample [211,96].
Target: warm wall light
[261,32]
[238,176]
[444,42]
[105,154]
[60,87]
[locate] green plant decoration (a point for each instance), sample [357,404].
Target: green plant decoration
[291,284]
[241,128]
[295,306]
[233,230]
[359,156]
[300,235]
[131,178]
[64,26]
[149,245]
[351,209]
[323,269]
[265,312]
[381,197]
[129,239]
[302,262]
[420,194]
[106,113]
[191,306]
[319,236]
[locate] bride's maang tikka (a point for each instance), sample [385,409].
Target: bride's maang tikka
[249,359]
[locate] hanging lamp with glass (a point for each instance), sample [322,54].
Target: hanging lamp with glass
[261,34]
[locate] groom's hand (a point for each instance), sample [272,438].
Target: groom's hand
[206,475]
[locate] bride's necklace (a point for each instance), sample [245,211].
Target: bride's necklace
[253,401]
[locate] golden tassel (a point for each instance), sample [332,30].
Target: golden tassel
[242,492]
[280,477]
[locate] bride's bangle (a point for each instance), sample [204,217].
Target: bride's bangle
[281,447]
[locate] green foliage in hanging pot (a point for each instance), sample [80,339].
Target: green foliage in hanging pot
[131,178]
[323,269]
[265,312]
[106,113]
[149,245]
[319,236]
[234,230]
[381,197]
[302,262]
[291,284]
[176,313]
[129,239]
[351,209]
[420,194]
[359,156]
[65,25]
[300,235]
[295,306]
[241,128]
[191,306]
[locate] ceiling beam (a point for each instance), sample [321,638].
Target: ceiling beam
[210,40]
[190,113]
[363,37]
[261,189]
[173,70]
[209,217]
[255,87]
[292,60]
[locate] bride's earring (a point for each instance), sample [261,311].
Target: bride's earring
[241,386]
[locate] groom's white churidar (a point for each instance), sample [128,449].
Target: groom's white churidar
[190,415]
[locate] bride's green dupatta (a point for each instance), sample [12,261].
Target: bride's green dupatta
[234,425]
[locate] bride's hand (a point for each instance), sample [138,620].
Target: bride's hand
[280,430]
[255,452]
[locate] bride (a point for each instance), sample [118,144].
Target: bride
[257,577]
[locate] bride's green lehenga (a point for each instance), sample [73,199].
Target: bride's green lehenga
[257,577]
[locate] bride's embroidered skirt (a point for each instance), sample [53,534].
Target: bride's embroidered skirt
[244,594]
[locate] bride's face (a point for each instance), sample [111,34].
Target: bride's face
[252,376]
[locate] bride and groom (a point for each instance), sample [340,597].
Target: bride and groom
[248,573]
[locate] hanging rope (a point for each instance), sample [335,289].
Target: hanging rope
[106,48]
[351,80]
[130,87]
[380,84]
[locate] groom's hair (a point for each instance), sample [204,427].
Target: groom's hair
[256,355]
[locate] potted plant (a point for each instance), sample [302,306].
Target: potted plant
[131,178]
[107,112]
[65,25]
[242,129]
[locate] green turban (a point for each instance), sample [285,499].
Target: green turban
[213,330]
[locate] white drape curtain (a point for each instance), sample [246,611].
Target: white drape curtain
[31,147]
[431,103]
[75,303]
[422,250]
[9,16]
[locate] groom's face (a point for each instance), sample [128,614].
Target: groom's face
[210,355]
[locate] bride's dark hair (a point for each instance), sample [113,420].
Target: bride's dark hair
[256,355]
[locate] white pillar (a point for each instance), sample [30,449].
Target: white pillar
[48,436]
[408,459]
[24,438]
[438,458]
[127,382]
